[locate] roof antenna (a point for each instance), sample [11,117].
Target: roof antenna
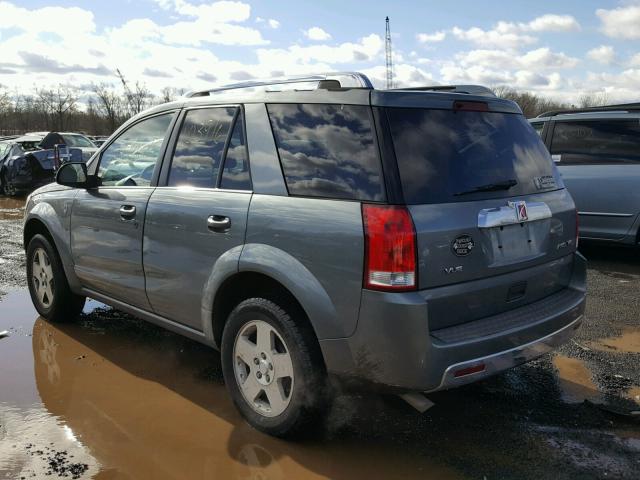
[389,55]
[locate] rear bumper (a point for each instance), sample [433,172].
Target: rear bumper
[393,345]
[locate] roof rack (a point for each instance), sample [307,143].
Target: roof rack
[302,82]
[468,89]
[622,107]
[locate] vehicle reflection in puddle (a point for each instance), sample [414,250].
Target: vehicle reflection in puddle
[137,403]
[574,380]
[11,208]
[628,342]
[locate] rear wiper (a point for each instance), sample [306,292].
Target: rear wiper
[491,187]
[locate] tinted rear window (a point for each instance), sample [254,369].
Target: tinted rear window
[597,141]
[328,150]
[442,154]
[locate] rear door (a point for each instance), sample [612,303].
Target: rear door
[107,222]
[600,163]
[488,207]
[199,211]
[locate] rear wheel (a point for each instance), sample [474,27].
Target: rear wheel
[48,286]
[272,368]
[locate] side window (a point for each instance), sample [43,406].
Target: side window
[132,157]
[200,146]
[596,142]
[538,126]
[235,174]
[328,150]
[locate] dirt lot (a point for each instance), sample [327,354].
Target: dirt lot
[113,397]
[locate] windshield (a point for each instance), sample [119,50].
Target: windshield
[442,154]
[78,141]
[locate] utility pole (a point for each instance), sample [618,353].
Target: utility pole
[389,56]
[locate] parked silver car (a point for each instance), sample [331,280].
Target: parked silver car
[414,240]
[597,151]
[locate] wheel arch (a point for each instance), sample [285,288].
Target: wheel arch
[42,219]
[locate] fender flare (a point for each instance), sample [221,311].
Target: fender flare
[45,214]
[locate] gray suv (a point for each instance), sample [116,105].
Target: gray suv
[317,228]
[597,151]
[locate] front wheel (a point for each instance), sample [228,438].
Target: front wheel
[273,368]
[48,286]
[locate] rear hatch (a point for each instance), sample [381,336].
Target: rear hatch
[486,201]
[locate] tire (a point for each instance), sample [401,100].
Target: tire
[4,186]
[48,285]
[276,396]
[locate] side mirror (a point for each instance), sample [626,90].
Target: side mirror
[74,174]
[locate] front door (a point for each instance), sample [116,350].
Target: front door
[107,221]
[198,213]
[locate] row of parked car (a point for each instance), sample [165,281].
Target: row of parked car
[29,161]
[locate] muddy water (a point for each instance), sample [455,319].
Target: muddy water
[11,208]
[129,403]
[627,342]
[575,380]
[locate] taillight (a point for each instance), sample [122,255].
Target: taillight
[466,106]
[390,248]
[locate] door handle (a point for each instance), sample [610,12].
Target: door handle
[128,211]
[218,223]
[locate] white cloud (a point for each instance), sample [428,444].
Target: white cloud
[514,35]
[295,56]
[217,12]
[317,34]
[273,23]
[431,37]
[538,59]
[622,22]
[504,35]
[552,23]
[635,60]
[604,54]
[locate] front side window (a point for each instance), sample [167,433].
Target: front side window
[131,159]
[200,147]
[597,141]
[77,141]
[328,150]
[538,126]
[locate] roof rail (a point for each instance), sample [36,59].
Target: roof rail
[300,82]
[468,89]
[622,107]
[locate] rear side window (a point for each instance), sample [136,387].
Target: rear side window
[235,174]
[597,142]
[446,156]
[538,127]
[328,150]
[200,147]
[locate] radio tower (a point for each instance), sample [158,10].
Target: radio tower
[389,56]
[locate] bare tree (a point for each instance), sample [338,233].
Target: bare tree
[593,99]
[531,104]
[109,104]
[58,104]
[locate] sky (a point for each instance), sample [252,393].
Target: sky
[562,49]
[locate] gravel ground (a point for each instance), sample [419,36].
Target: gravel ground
[568,415]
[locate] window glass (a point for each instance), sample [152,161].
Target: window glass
[132,157]
[447,156]
[597,141]
[198,154]
[328,150]
[538,126]
[235,175]
[78,141]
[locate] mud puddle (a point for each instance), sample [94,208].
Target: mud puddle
[575,380]
[11,208]
[109,397]
[627,342]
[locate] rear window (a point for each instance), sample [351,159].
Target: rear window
[328,151]
[597,141]
[446,156]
